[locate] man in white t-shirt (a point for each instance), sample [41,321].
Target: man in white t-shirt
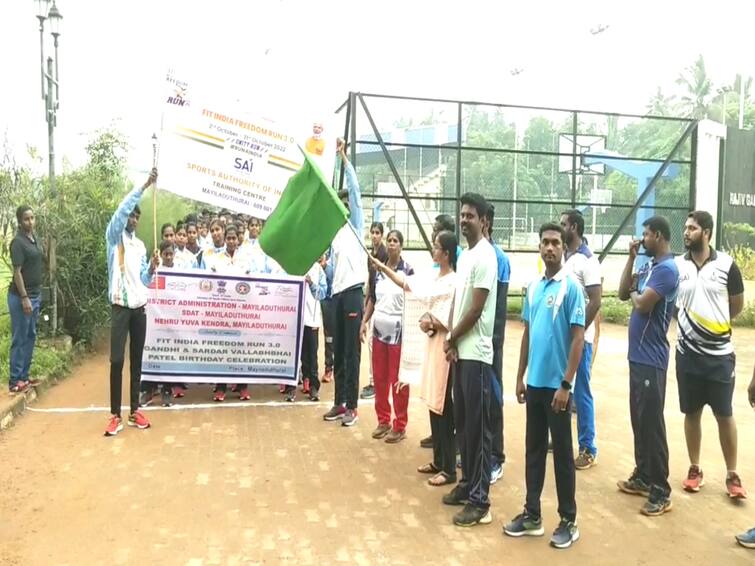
[469,347]
[585,268]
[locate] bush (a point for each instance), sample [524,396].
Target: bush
[747,316]
[745,258]
[615,311]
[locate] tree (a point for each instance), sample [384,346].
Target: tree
[699,89]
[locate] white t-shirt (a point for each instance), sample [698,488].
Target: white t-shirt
[312,311]
[477,269]
[585,268]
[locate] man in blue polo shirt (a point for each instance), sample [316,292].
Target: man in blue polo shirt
[499,331]
[653,293]
[552,343]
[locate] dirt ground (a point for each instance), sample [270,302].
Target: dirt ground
[274,484]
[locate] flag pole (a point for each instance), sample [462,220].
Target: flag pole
[154,193]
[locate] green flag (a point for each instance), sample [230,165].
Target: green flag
[307,218]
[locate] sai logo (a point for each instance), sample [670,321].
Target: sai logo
[205,285]
[243,288]
[580,311]
[549,301]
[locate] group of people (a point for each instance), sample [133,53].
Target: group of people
[463,302]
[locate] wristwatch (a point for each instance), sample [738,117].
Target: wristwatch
[565,385]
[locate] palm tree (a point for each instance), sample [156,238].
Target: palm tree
[699,89]
[661,105]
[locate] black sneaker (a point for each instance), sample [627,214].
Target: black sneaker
[314,394]
[426,442]
[336,412]
[368,392]
[145,398]
[565,534]
[457,496]
[167,398]
[350,417]
[291,395]
[635,485]
[524,525]
[472,515]
[656,508]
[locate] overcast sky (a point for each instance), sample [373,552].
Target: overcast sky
[301,57]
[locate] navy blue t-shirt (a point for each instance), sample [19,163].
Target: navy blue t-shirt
[648,343]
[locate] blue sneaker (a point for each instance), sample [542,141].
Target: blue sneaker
[496,473]
[747,539]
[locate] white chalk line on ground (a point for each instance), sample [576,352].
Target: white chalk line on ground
[204,406]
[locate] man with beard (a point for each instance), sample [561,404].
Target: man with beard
[585,267]
[652,292]
[469,347]
[711,294]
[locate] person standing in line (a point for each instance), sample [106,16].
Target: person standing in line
[24,299]
[379,252]
[128,275]
[217,245]
[652,292]
[711,295]
[328,322]
[349,276]
[469,347]
[499,332]
[229,262]
[585,267]
[442,223]
[437,293]
[384,313]
[552,344]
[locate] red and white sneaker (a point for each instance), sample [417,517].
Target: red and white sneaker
[244,394]
[694,480]
[219,396]
[178,392]
[734,487]
[114,426]
[138,420]
[305,386]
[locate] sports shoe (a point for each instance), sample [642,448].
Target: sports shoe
[381,430]
[565,534]
[166,397]
[368,392]
[472,515]
[457,496]
[336,412]
[18,387]
[496,473]
[327,377]
[281,389]
[114,426]
[524,525]
[244,393]
[291,395]
[656,508]
[145,398]
[305,386]
[178,392]
[138,420]
[747,539]
[694,480]
[585,460]
[395,436]
[734,487]
[426,442]
[219,396]
[314,394]
[350,417]
[634,485]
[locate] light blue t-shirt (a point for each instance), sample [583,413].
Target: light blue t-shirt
[504,265]
[551,308]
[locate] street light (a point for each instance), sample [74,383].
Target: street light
[50,94]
